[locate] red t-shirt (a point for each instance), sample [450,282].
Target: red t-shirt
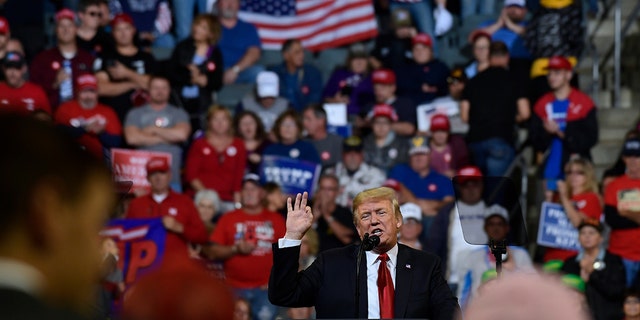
[263,229]
[28,98]
[220,171]
[623,242]
[183,210]
[73,115]
[587,203]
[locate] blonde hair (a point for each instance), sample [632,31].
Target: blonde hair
[213,109]
[213,26]
[313,241]
[376,194]
[591,185]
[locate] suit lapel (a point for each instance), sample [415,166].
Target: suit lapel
[404,274]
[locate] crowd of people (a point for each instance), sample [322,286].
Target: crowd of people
[433,133]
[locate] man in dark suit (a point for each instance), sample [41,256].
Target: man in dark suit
[54,199]
[418,288]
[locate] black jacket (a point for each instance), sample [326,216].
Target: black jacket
[181,76]
[605,288]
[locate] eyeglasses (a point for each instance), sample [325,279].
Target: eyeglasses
[578,172]
[95,14]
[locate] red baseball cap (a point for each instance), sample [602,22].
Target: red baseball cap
[65,14]
[87,81]
[440,122]
[475,35]
[383,110]
[4,25]
[157,164]
[384,76]
[422,38]
[559,63]
[122,17]
[468,173]
[392,183]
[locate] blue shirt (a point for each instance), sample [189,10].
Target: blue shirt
[553,170]
[433,186]
[514,42]
[300,150]
[301,87]
[234,42]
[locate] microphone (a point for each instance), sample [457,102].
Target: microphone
[370,242]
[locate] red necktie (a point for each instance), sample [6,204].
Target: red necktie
[385,288]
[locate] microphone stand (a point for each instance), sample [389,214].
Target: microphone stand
[367,244]
[498,248]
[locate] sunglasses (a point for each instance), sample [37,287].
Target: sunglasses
[578,172]
[95,14]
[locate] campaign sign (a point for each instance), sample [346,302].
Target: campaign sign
[555,230]
[424,112]
[292,175]
[345,131]
[130,165]
[140,245]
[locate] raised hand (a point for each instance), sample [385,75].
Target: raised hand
[299,217]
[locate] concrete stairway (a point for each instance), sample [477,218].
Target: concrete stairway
[614,124]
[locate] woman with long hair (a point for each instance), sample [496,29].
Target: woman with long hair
[196,65]
[217,160]
[248,127]
[288,132]
[579,197]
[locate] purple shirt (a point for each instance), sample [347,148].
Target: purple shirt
[358,86]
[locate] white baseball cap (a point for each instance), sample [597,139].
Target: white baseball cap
[411,210]
[268,84]
[519,3]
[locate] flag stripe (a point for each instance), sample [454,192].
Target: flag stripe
[319,24]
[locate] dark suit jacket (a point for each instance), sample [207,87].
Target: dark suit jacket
[18,305]
[329,284]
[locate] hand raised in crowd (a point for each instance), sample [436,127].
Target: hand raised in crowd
[562,189]
[299,217]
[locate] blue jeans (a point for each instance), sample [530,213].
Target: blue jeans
[422,15]
[250,74]
[164,41]
[631,268]
[261,308]
[474,7]
[183,11]
[493,156]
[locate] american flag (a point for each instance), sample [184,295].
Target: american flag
[319,24]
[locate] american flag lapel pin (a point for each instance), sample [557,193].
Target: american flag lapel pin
[408,266]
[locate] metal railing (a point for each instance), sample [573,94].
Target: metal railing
[614,50]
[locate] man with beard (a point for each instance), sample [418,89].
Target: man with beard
[17,93]
[159,126]
[95,126]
